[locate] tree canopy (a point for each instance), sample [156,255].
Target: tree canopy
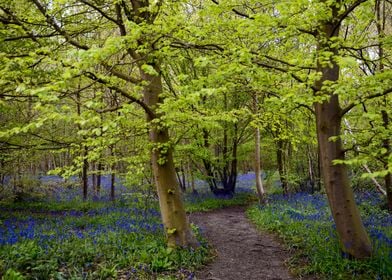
[96,87]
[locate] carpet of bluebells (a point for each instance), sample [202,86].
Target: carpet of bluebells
[58,236]
[305,223]
[53,234]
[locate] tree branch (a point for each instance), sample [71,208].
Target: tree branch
[147,109]
[237,12]
[100,11]
[120,75]
[346,13]
[52,21]
[370,96]
[184,45]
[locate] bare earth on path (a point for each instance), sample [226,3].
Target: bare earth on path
[242,252]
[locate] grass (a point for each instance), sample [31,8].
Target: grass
[305,224]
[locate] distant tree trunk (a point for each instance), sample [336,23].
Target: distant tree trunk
[281,165]
[192,178]
[85,173]
[99,178]
[228,175]
[174,218]
[112,176]
[351,232]
[180,172]
[313,169]
[319,172]
[259,182]
[94,178]
[207,165]
[387,147]
[112,186]
[85,164]
[234,161]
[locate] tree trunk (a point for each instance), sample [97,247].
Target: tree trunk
[85,173]
[112,186]
[387,146]
[173,214]
[234,162]
[192,178]
[353,237]
[94,179]
[281,167]
[259,182]
[207,165]
[99,178]
[180,172]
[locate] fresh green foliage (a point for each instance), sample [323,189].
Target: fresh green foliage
[304,223]
[74,97]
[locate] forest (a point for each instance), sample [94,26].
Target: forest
[152,139]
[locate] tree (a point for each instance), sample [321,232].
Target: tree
[353,236]
[120,46]
[315,64]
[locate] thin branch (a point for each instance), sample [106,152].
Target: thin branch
[18,22]
[30,36]
[237,12]
[289,64]
[49,140]
[102,13]
[280,69]
[306,107]
[52,21]
[346,13]
[120,75]
[370,96]
[184,45]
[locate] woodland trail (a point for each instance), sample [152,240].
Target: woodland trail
[242,252]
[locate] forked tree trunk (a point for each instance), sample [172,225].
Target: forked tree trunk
[353,237]
[173,214]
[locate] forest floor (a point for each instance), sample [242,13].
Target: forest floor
[242,252]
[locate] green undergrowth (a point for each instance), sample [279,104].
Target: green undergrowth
[99,239]
[305,226]
[91,240]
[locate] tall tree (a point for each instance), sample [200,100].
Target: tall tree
[120,46]
[353,237]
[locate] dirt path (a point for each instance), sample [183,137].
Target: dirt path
[242,252]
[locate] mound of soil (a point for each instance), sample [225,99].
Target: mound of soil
[241,251]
